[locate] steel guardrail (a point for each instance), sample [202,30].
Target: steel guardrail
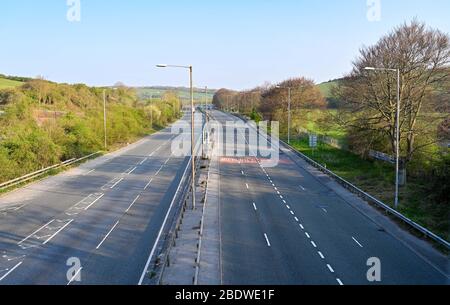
[354,189]
[36,174]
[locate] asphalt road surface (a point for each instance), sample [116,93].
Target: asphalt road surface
[97,222]
[281,225]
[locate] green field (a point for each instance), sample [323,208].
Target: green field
[326,88]
[183,93]
[7,83]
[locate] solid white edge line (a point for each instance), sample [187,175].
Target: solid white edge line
[106,236]
[148,184]
[10,271]
[130,172]
[57,232]
[147,264]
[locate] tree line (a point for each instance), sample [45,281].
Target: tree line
[31,137]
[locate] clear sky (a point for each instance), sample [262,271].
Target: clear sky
[231,43]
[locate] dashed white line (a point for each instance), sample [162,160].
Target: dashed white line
[242,172]
[109,233]
[10,271]
[321,255]
[330,268]
[284,201]
[288,207]
[281,197]
[101,196]
[75,275]
[314,244]
[148,184]
[267,240]
[292,212]
[301,226]
[296,219]
[143,161]
[57,232]
[303,189]
[356,241]
[131,205]
[340,282]
[89,172]
[115,184]
[247,186]
[131,171]
[254,206]
[307,235]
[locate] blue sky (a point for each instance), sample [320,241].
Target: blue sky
[231,43]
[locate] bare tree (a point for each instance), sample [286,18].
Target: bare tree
[422,55]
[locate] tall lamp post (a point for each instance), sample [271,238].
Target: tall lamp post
[104,117]
[397,132]
[192,123]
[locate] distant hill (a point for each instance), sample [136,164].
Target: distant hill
[327,90]
[184,93]
[8,83]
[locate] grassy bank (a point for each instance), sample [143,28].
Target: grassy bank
[377,178]
[44,123]
[7,83]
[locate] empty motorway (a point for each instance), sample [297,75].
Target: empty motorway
[286,225]
[106,214]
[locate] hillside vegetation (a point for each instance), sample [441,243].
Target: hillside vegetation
[43,123]
[7,83]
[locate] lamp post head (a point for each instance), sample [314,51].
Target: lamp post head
[161,66]
[369,68]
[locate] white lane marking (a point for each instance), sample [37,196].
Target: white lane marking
[148,184]
[143,161]
[167,161]
[303,189]
[35,232]
[106,236]
[278,192]
[115,184]
[267,240]
[254,206]
[284,201]
[340,282]
[307,235]
[288,207]
[321,255]
[247,186]
[101,196]
[89,172]
[57,232]
[314,244]
[242,172]
[356,241]
[73,278]
[131,205]
[329,268]
[276,189]
[292,212]
[10,271]
[301,226]
[325,210]
[131,171]
[281,197]
[296,219]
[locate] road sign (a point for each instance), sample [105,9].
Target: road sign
[313,141]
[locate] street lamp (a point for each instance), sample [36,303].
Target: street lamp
[289,111]
[397,132]
[192,123]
